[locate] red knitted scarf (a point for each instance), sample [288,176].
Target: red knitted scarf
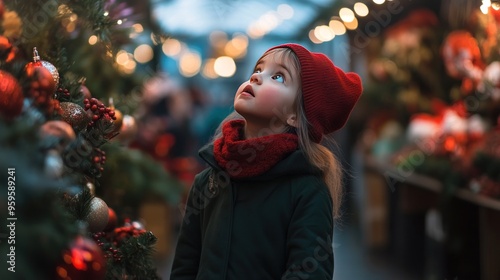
[243,158]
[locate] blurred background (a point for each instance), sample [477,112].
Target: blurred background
[420,151]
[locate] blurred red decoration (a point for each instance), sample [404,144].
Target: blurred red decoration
[5,47]
[462,58]
[134,229]
[495,13]
[84,260]
[112,220]
[2,9]
[163,145]
[11,95]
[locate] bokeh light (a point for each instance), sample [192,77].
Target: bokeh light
[225,66]
[143,53]
[171,47]
[189,64]
[361,9]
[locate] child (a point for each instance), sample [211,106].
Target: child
[264,208]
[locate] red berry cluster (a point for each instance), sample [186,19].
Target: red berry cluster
[99,110]
[99,158]
[128,230]
[111,241]
[63,92]
[109,250]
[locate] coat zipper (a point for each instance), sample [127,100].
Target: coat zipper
[232,197]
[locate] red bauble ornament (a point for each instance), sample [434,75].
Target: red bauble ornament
[5,47]
[98,216]
[48,78]
[84,260]
[75,115]
[11,96]
[112,220]
[84,90]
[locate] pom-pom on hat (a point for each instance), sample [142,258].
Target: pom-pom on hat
[329,94]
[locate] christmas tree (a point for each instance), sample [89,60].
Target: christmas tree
[65,121]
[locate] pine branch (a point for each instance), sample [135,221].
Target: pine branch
[78,205]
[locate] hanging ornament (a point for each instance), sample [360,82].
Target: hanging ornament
[83,260]
[128,130]
[45,64]
[59,129]
[118,120]
[91,187]
[42,86]
[98,215]
[75,115]
[84,90]
[11,96]
[112,220]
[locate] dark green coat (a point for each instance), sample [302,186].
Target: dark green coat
[277,225]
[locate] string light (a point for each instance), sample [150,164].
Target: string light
[313,38]
[346,14]
[361,9]
[324,33]
[337,26]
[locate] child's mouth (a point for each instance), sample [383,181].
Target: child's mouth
[248,89]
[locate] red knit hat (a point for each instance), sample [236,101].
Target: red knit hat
[329,94]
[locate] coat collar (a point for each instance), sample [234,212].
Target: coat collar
[293,165]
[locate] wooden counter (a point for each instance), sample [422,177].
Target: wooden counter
[415,193]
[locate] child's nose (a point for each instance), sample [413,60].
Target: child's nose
[256,78]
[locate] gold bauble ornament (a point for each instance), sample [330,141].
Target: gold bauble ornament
[128,130]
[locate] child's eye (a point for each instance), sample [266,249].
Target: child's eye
[279,78]
[257,70]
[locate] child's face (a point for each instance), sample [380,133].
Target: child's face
[268,97]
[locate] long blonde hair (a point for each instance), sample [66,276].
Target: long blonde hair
[317,154]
